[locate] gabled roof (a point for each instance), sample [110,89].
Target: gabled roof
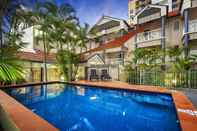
[96,58]
[111,18]
[118,42]
[162,7]
[37,56]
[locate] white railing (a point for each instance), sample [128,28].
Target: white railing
[149,18]
[193,26]
[108,31]
[149,35]
[114,60]
[157,1]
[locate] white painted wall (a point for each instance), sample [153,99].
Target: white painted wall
[28,38]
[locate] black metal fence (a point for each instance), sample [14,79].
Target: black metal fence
[186,79]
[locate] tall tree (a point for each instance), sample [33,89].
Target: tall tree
[56,22]
[12,19]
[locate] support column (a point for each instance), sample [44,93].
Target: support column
[186,30]
[31,72]
[136,41]
[163,42]
[41,74]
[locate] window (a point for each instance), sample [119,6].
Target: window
[176,25]
[146,34]
[120,55]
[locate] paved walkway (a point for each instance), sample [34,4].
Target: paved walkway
[191,94]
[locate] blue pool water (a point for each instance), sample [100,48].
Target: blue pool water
[78,108]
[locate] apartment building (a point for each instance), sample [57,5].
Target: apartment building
[160,26]
[135,6]
[164,25]
[106,48]
[156,25]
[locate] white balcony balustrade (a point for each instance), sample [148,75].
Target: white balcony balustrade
[149,36]
[192,29]
[114,60]
[149,18]
[193,26]
[108,31]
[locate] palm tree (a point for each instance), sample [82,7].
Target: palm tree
[10,66]
[11,19]
[10,13]
[83,34]
[61,31]
[7,11]
[54,21]
[174,52]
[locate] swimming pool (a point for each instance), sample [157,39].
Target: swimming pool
[83,108]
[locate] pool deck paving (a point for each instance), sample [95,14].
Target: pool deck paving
[191,94]
[26,120]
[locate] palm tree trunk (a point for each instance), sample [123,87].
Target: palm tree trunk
[45,59]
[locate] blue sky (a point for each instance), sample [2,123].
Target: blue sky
[90,11]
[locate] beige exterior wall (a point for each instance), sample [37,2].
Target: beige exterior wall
[174,35]
[130,44]
[32,71]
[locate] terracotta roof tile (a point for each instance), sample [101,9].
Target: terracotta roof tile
[173,13]
[37,56]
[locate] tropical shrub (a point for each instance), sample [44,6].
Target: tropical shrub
[68,62]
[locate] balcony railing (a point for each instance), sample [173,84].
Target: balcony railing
[108,31]
[149,18]
[149,36]
[156,1]
[114,60]
[193,26]
[192,29]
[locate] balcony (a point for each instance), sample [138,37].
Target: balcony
[149,13]
[149,38]
[149,18]
[193,29]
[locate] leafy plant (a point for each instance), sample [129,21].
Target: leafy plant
[10,67]
[68,62]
